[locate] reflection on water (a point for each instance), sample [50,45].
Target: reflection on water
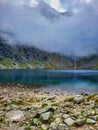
[68,80]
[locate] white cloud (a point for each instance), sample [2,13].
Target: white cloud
[56,4]
[77,35]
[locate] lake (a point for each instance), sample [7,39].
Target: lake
[51,80]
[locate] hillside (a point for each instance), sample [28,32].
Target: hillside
[23,56]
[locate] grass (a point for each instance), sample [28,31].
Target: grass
[7,62]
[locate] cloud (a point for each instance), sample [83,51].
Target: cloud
[56,4]
[76,35]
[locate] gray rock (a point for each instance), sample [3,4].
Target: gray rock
[79,122]
[69,121]
[94,117]
[63,127]
[90,121]
[57,120]
[36,122]
[58,115]
[60,126]
[53,126]
[66,116]
[43,127]
[12,107]
[89,112]
[44,110]
[46,116]
[79,99]
[15,115]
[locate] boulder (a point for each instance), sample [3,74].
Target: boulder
[15,115]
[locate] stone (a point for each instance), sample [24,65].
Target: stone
[43,127]
[46,116]
[12,107]
[44,110]
[79,99]
[58,115]
[90,112]
[69,121]
[69,99]
[66,116]
[63,127]
[57,120]
[90,121]
[53,126]
[36,122]
[94,117]
[15,115]
[79,122]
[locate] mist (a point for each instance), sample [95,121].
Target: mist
[76,35]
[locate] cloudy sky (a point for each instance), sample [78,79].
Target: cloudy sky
[43,25]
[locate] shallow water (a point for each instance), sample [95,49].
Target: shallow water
[64,80]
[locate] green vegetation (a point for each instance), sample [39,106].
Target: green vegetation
[7,62]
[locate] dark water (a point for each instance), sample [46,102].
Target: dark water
[65,80]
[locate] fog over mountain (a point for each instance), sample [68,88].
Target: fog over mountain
[69,27]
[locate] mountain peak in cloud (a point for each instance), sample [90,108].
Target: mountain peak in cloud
[46,11]
[51,30]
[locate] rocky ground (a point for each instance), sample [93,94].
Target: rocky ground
[26,109]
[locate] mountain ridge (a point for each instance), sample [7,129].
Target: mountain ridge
[25,56]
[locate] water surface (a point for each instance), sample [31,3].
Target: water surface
[65,80]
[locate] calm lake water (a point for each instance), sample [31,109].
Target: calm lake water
[65,80]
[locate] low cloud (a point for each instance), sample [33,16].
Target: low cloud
[76,35]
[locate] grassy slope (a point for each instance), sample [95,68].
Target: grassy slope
[51,64]
[54,63]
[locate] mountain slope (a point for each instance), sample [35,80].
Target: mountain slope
[21,56]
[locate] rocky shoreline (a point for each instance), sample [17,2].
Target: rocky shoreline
[26,109]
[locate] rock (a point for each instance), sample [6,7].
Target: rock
[57,115]
[35,122]
[26,108]
[12,107]
[53,126]
[43,127]
[52,98]
[63,127]
[66,116]
[44,110]
[45,117]
[94,117]
[89,112]
[79,122]
[90,121]
[60,126]
[15,115]
[57,120]
[79,99]
[69,99]
[69,121]
[33,128]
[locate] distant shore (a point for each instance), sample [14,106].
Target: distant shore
[23,108]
